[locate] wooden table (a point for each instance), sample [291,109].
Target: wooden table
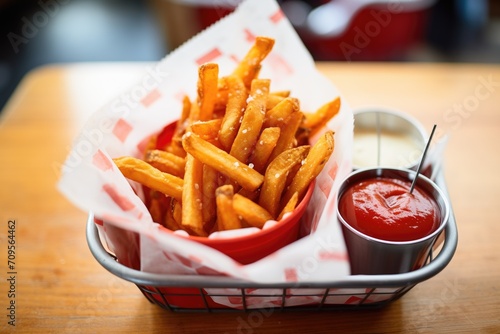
[59,286]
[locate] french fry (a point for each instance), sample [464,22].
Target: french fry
[192,205]
[239,154]
[318,156]
[157,206]
[289,206]
[282,93]
[252,121]
[175,146]
[264,147]
[317,120]
[169,220]
[166,162]
[273,100]
[277,115]
[250,65]
[142,172]
[227,219]
[208,78]
[208,130]
[236,104]
[176,209]
[222,161]
[252,213]
[276,176]
[287,136]
[209,204]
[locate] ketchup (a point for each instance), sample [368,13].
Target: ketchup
[383,208]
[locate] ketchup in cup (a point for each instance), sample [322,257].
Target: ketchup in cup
[383,208]
[387,229]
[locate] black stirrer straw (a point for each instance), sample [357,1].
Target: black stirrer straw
[422,159]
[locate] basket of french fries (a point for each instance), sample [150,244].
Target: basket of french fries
[216,188]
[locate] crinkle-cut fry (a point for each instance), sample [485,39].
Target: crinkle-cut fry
[264,147]
[277,115]
[236,104]
[276,176]
[227,219]
[252,121]
[222,161]
[252,213]
[250,65]
[313,164]
[210,184]
[192,205]
[317,120]
[287,136]
[289,206]
[208,130]
[142,172]
[166,162]
[208,79]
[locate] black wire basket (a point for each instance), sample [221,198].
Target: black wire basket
[200,293]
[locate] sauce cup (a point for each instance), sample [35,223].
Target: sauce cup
[369,255]
[402,139]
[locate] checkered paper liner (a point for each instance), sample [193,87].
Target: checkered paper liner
[92,182]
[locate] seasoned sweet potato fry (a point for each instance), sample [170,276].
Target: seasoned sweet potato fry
[208,130]
[142,172]
[287,136]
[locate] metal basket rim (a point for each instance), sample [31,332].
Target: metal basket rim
[353,281]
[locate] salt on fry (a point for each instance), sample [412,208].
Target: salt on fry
[313,164]
[192,218]
[276,176]
[252,121]
[222,161]
[249,67]
[142,172]
[227,219]
[252,213]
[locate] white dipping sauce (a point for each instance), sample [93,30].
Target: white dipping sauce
[397,149]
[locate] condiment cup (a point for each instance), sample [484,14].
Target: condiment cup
[402,139]
[372,256]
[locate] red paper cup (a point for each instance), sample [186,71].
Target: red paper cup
[255,246]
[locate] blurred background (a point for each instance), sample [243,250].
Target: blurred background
[39,32]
